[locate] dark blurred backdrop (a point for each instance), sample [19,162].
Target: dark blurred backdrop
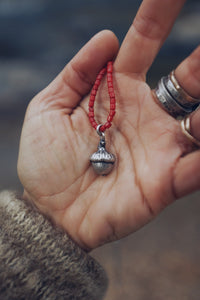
[37,39]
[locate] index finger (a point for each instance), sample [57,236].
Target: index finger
[146,35]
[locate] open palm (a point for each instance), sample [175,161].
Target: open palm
[57,139]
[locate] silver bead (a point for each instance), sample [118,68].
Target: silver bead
[102,161]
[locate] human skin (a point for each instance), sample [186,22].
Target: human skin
[155,161]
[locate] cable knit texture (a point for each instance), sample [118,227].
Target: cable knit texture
[39,261]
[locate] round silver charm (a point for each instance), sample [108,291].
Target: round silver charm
[102,161]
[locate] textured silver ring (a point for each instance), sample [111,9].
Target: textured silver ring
[173,98]
[168,102]
[178,94]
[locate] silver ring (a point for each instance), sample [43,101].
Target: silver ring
[185,126]
[178,93]
[173,98]
[168,102]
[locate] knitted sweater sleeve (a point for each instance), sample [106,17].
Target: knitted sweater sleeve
[39,261]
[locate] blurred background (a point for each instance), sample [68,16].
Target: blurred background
[37,39]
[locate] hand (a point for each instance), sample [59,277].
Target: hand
[152,165]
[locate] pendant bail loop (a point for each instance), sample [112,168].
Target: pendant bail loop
[102,142]
[100,133]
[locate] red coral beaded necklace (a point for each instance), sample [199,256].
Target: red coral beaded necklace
[102,161]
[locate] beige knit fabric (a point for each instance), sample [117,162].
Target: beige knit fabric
[39,261]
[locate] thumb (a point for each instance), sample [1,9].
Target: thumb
[77,78]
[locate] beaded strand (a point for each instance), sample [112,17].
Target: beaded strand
[108,124]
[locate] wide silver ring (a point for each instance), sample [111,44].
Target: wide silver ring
[168,102]
[173,98]
[178,93]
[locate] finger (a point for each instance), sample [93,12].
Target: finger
[187,172]
[188,74]
[77,78]
[150,28]
[187,175]
[188,77]
[188,169]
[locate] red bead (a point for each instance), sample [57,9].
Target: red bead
[92,98]
[91,114]
[94,124]
[112,113]
[112,106]
[111,90]
[109,68]
[102,128]
[112,95]
[91,109]
[109,119]
[97,82]
[91,102]
[110,84]
[94,92]
[112,100]
[99,77]
[108,125]
[102,72]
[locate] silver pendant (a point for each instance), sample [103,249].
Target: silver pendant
[102,160]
